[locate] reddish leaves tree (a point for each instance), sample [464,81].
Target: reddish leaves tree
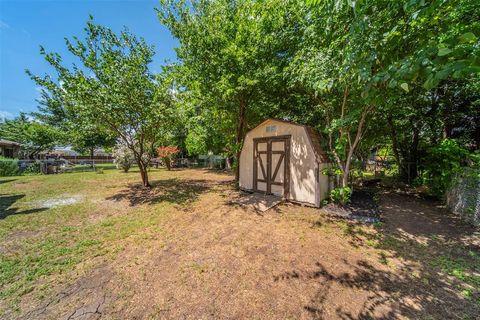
[167,154]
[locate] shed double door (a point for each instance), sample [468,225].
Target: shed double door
[271,165]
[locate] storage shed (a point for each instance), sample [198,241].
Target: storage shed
[9,149]
[285,159]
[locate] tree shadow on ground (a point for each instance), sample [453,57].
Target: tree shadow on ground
[390,294]
[7,180]
[6,203]
[437,260]
[409,222]
[218,172]
[170,190]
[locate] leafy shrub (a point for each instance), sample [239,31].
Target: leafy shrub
[443,162]
[167,154]
[8,167]
[123,157]
[32,168]
[341,195]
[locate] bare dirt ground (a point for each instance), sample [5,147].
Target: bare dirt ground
[216,260]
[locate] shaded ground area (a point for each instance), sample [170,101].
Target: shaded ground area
[184,251]
[7,202]
[170,190]
[361,207]
[257,201]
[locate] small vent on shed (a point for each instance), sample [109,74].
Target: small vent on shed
[271,128]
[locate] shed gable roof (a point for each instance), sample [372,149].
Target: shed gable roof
[5,142]
[312,134]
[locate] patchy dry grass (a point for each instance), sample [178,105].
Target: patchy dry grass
[182,250]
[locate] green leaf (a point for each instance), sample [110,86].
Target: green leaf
[392,83]
[443,52]
[468,37]
[431,82]
[404,86]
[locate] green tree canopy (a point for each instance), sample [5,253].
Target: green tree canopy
[33,136]
[113,89]
[230,62]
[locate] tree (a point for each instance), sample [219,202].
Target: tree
[89,140]
[80,133]
[419,120]
[332,65]
[230,66]
[208,131]
[113,89]
[166,154]
[123,157]
[356,55]
[444,161]
[33,136]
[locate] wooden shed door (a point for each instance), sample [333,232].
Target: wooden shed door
[270,165]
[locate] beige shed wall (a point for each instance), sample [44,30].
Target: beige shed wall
[323,181]
[302,160]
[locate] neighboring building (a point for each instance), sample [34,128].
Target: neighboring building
[284,159]
[62,152]
[67,152]
[9,149]
[100,152]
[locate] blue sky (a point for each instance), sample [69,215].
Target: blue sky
[25,25]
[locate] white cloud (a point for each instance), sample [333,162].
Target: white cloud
[25,32]
[5,115]
[4,25]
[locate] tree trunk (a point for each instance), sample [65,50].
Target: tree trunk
[346,166]
[406,154]
[396,147]
[168,163]
[239,135]
[446,131]
[344,181]
[412,173]
[228,163]
[143,173]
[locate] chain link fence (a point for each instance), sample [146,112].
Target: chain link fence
[11,167]
[463,196]
[52,166]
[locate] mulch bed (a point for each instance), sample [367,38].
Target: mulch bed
[362,207]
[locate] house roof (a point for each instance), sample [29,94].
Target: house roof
[5,142]
[312,134]
[68,151]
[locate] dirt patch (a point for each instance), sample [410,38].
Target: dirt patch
[228,262]
[86,298]
[257,201]
[423,219]
[210,259]
[59,201]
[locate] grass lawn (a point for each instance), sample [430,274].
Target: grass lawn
[85,245]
